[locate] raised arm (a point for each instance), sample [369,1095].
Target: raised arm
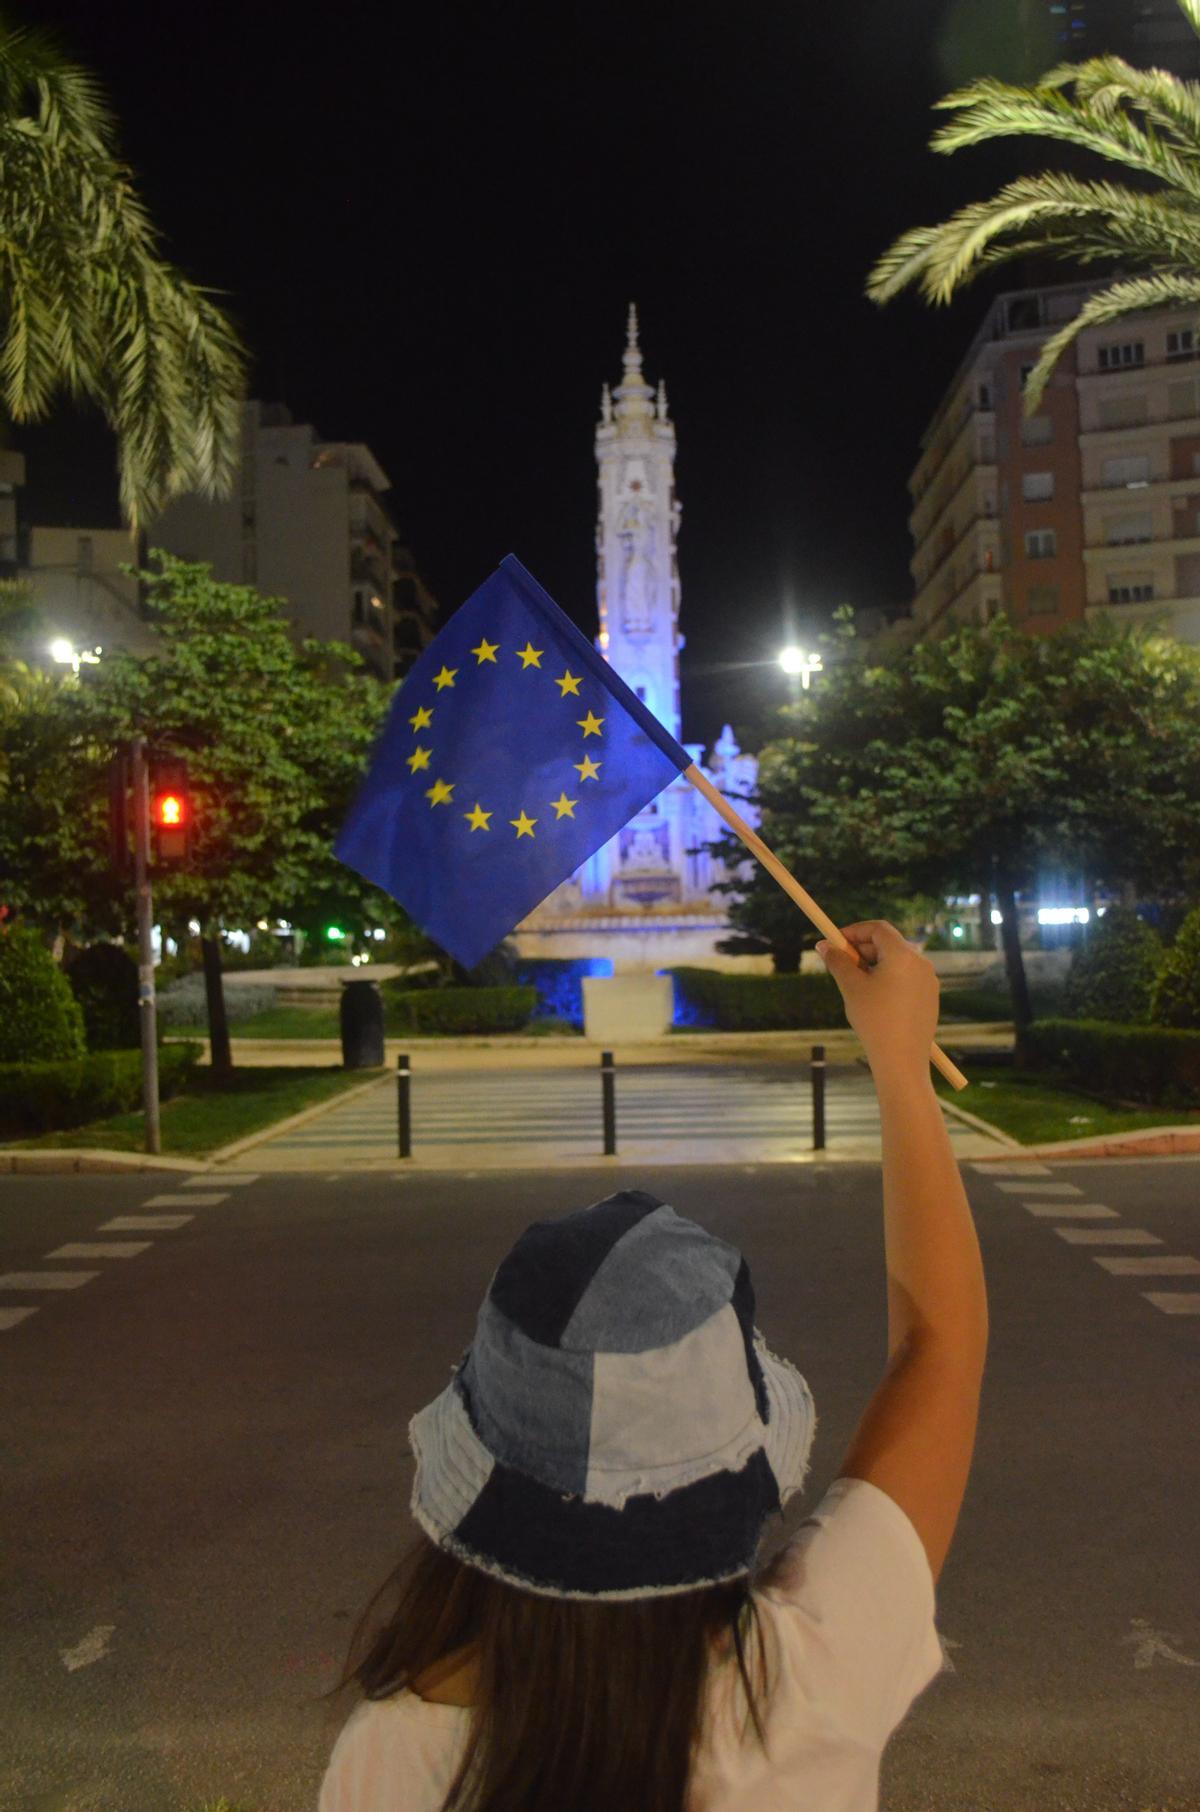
[917,1434]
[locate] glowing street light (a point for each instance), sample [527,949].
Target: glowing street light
[62,652]
[798,661]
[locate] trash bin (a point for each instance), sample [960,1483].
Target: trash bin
[361,1017]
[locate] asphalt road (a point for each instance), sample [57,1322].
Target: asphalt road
[205,1475]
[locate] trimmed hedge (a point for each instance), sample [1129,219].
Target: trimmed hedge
[559,983]
[1154,1064]
[48,1097]
[756,1003]
[458,1010]
[104,980]
[1176,1000]
[40,1020]
[1113,971]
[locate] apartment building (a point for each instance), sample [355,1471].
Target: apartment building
[1089,507]
[306,522]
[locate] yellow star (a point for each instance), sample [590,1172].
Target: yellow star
[590,725]
[445,677]
[529,656]
[523,825]
[564,807]
[568,683]
[423,718]
[478,818]
[418,759]
[440,792]
[486,651]
[587,769]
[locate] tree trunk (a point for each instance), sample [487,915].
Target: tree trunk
[220,1052]
[987,931]
[1014,965]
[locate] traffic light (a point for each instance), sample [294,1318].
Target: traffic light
[120,855]
[170,811]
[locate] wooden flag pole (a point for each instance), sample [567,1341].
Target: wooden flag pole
[793,889]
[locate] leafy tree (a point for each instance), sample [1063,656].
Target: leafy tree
[1112,974]
[1146,123]
[993,753]
[1176,999]
[40,1019]
[88,307]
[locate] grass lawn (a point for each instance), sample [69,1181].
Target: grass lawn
[1037,1109]
[207,1116]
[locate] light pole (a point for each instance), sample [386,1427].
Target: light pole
[799,663]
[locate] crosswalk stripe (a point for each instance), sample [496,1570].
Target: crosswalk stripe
[194,1200]
[227,1177]
[1108,1236]
[45,1280]
[9,1318]
[1173,1302]
[114,1248]
[145,1223]
[1159,1266]
[1075,1211]
[1040,1188]
[985,1167]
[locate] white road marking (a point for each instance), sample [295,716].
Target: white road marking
[1071,1211]
[1161,1266]
[1174,1303]
[1041,1188]
[94,1647]
[146,1223]
[113,1248]
[226,1177]
[1019,1168]
[1154,1645]
[10,1317]
[45,1280]
[181,1201]
[1107,1236]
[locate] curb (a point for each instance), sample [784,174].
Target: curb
[89,1158]
[223,1155]
[982,1126]
[1147,1142]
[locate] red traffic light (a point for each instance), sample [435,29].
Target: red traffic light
[169,808]
[170,811]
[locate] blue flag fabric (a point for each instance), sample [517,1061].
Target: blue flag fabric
[511,753]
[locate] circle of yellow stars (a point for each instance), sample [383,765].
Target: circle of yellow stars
[442,791]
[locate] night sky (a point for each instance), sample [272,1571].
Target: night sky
[429,221]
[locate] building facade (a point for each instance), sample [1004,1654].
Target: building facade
[644,899]
[306,522]
[1091,506]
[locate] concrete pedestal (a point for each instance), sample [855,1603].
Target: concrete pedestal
[627,1009]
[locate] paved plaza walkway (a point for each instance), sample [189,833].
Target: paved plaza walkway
[678,1113]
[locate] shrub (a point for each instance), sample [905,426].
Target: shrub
[1154,1064]
[48,1097]
[104,980]
[183,1005]
[559,983]
[458,1010]
[40,1020]
[1112,974]
[1176,997]
[756,1003]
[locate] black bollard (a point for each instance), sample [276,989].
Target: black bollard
[818,1096]
[404,1104]
[609,1090]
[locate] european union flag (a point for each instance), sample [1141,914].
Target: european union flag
[511,753]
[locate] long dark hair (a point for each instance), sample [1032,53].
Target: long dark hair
[590,1706]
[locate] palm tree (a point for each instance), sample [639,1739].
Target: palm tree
[1143,120]
[88,307]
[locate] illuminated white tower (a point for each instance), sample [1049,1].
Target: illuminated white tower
[637,580]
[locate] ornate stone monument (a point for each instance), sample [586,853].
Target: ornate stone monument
[643,900]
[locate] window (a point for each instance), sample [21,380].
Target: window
[1130,588]
[1126,469]
[1037,487]
[1121,531]
[1041,544]
[1127,411]
[1042,600]
[985,396]
[1120,355]
[1181,343]
[1036,431]
[1024,372]
[1181,398]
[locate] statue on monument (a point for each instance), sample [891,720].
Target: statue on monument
[636,583]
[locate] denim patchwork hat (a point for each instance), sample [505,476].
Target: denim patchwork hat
[617,1429]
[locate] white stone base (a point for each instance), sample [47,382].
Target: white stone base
[627,1009]
[636,941]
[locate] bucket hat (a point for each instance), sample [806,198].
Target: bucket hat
[617,1428]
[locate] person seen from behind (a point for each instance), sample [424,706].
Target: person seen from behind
[581,1627]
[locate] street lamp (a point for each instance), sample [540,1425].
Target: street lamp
[62,652]
[798,661]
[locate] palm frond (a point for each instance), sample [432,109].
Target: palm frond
[1104,85]
[1129,296]
[991,109]
[1036,213]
